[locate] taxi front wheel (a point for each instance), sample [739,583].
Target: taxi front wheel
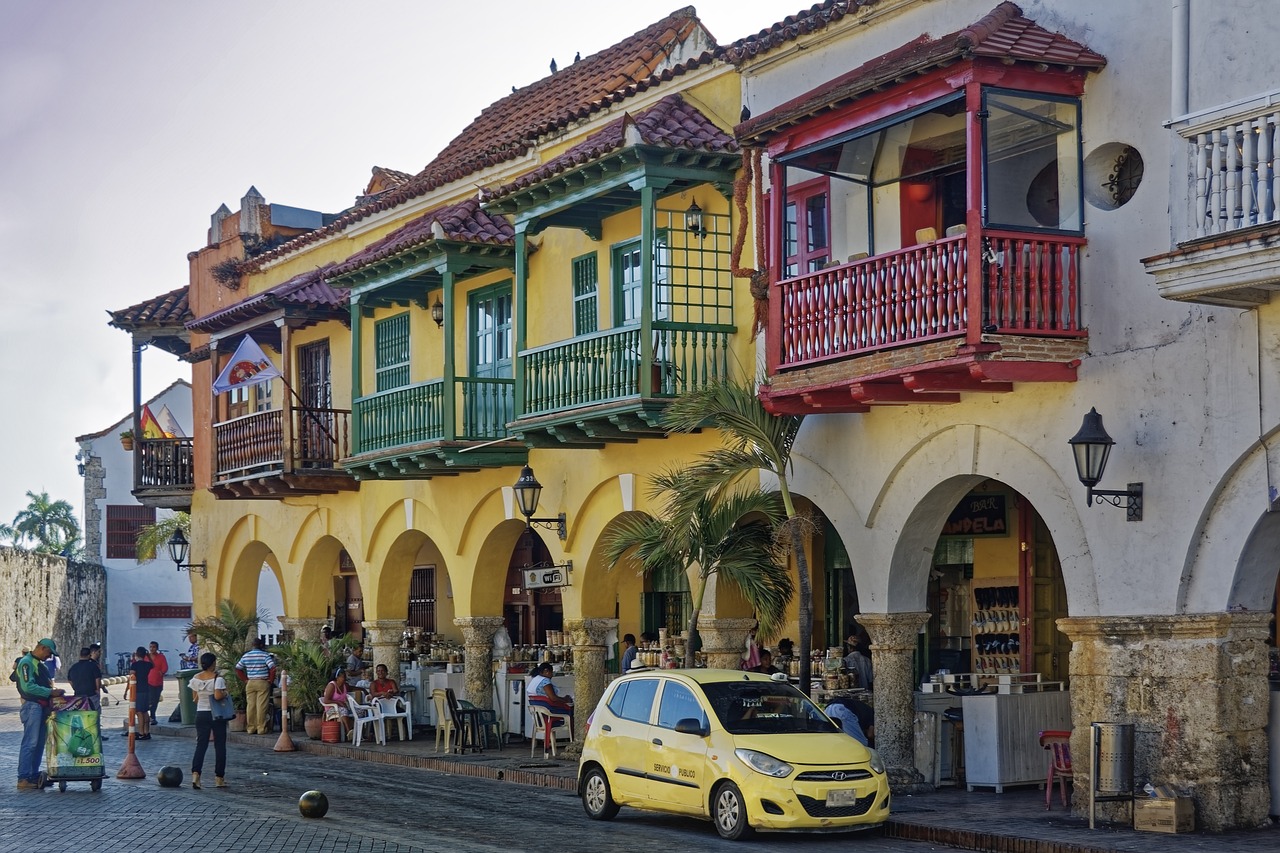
[596,799]
[729,813]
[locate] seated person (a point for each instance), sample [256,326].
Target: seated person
[382,687]
[336,693]
[355,663]
[856,719]
[766,663]
[540,691]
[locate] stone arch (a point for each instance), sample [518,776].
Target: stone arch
[482,592]
[1222,570]
[314,593]
[240,560]
[390,593]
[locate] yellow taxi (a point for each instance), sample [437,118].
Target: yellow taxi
[745,750]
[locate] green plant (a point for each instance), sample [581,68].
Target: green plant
[310,668]
[127,434]
[229,634]
[153,537]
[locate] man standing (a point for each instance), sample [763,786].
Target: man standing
[257,669]
[628,652]
[190,660]
[155,679]
[37,692]
[86,680]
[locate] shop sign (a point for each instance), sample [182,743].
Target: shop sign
[541,577]
[978,515]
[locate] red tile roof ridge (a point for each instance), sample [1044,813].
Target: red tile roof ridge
[816,17]
[618,80]
[158,310]
[307,289]
[463,221]
[1004,33]
[672,122]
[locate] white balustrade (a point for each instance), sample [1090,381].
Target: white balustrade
[1237,182]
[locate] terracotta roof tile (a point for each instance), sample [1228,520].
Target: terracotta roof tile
[1003,34]
[167,310]
[671,123]
[790,28]
[509,127]
[463,222]
[308,291]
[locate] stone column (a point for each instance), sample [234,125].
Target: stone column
[589,678]
[303,627]
[893,644]
[477,644]
[383,638]
[723,640]
[1194,686]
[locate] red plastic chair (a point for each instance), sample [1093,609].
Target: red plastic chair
[1059,745]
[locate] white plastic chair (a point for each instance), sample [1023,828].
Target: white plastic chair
[366,715]
[444,720]
[396,708]
[544,723]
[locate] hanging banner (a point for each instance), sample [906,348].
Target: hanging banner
[248,366]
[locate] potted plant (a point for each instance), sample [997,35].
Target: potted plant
[229,634]
[309,669]
[126,439]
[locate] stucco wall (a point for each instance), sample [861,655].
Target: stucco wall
[51,597]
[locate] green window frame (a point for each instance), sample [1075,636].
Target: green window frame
[627,281]
[489,312]
[391,352]
[586,294]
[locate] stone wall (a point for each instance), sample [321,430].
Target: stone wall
[49,596]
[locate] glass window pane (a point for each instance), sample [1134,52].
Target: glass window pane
[678,703]
[1033,162]
[638,701]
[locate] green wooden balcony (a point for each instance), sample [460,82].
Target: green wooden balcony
[613,385]
[408,432]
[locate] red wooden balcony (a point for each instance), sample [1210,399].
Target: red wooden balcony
[250,459]
[925,323]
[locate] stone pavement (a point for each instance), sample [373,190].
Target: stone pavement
[1012,822]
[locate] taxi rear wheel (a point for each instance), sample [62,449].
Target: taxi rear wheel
[596,799]
[729,812]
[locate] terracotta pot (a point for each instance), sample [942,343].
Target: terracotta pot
[238,724]
[311,724]
[126,443]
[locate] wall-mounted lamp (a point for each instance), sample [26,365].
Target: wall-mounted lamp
[528,490]
[693,221]
[178,548]
[1091,446]
[437,312]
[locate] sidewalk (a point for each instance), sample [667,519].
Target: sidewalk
[1012,822]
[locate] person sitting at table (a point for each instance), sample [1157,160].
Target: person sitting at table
[335,693]
[542,692]
[382,686]
[766,663]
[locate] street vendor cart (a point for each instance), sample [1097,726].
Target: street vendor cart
[73,747]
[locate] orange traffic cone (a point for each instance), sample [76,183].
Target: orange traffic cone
[284,743]
[131,769]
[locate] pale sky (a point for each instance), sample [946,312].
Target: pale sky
[124,124]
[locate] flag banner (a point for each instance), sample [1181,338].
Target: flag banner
[169,424]
[150,426]
[248,366]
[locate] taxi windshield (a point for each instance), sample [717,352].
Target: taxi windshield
[759,707]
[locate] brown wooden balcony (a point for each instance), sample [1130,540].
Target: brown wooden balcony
[250,458]
[926,323]
[165,476]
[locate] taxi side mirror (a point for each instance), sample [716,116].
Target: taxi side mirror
[691,726]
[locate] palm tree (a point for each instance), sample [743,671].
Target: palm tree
[50,524]
[229,635]
[153,537]
[755,440]
[11,534]
[711,535]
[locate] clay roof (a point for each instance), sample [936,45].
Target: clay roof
[463,222]
[1003,34]
[790,28]
[670,123]
[308,291]
[511,126]
[167,310]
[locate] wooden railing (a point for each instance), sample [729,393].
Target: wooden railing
[1030,285]
[415,414]
[253,445]
[605,366]
[165,463]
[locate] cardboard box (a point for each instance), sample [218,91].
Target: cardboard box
[1164,814]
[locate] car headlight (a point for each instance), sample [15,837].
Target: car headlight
[877,765]
[762,763]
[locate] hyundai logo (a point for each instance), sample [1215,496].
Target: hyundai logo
[838,775]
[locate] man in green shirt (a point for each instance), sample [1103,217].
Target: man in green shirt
[37,690]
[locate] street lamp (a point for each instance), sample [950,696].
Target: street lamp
[528,490]
[1092,447]
[178,548]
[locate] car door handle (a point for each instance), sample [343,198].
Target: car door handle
[657,741]
[607,728]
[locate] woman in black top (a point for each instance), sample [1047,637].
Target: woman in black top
[141,668]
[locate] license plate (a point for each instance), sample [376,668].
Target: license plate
[842,797]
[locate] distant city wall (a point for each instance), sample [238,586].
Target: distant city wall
[48,596]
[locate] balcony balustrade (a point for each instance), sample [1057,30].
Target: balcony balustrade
[165,474]
[1237,174]
[415,414]
[250,458]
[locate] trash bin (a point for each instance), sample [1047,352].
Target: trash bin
[1115,758]
[186,704]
